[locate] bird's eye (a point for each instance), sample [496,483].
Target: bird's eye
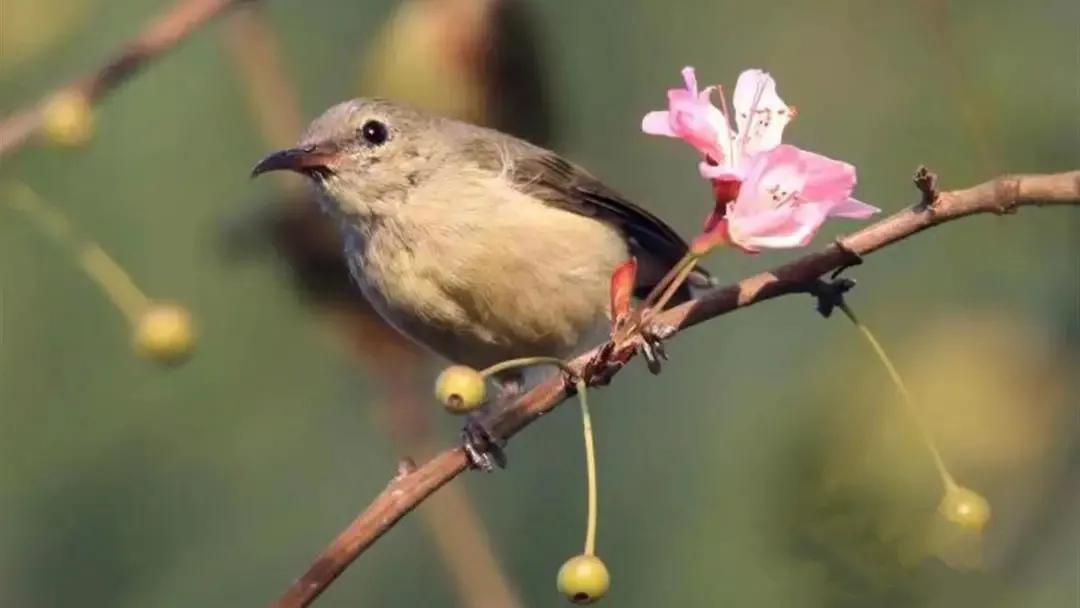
[374,132]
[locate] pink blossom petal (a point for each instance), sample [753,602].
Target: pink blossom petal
[772,180]
[827,179]
[803,224]
[657,123]
[719,172]
[797,229]
[745,229]
[692,117]
[851,208]
[773,210]
[760,114]
[690,78]
[697,122]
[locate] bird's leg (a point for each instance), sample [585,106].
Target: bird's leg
[484,449]
[649,341]
[482,445]
[637,331]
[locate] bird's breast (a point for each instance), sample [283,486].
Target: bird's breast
[484,273]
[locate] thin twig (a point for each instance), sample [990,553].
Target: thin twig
[159,36]
[999,196]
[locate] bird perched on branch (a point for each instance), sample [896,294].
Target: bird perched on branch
[478,245]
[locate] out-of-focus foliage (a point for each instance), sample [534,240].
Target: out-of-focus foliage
[29,28]
[770,465]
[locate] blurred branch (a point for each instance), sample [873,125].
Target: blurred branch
[253,46]
[413,485]
[159,36]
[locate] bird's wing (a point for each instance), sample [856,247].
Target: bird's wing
[562,184]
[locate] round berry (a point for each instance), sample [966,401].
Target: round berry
[460,389]
[68,120]
[965,507]
[584,579]
[164,334]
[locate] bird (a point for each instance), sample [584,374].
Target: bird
[477,245]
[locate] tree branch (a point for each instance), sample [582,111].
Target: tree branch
[413,485]
[159,36]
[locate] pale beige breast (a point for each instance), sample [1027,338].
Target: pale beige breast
[480,272]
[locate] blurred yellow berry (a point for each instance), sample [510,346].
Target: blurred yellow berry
[584,579]
[68,120]
[965,507]
[460,388]
[164,333]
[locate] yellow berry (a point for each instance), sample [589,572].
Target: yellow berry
[164,333]
[68,120]
[584,579]
[965,507]
[460,388]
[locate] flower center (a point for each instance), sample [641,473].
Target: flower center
[781,197]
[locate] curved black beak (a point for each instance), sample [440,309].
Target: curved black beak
[310,159]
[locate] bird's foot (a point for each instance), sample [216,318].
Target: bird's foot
[482,446]
[649,342]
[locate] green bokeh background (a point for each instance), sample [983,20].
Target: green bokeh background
[213,484]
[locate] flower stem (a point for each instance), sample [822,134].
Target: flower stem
[586,427]
[947,479]
[687,266]
[590,468]
[502,366]
[681,269]
[113,280]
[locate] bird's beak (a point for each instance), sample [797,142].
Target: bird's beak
[314,158]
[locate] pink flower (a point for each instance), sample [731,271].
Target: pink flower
[692,117]
[786,197]
[759,121]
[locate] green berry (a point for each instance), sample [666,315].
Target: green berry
[584,579]
[460,389]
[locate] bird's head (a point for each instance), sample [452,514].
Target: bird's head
[363,155]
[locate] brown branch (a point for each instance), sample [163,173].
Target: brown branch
[413,485]
[159,36]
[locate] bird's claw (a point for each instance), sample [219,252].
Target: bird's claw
[484,449]
[650,344]
[648,340]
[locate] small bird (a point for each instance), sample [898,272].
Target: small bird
[478,245]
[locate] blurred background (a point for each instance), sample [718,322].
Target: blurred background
[770,465]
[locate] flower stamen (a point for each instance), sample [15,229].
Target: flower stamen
[729,123]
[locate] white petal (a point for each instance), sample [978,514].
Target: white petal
[760,114]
